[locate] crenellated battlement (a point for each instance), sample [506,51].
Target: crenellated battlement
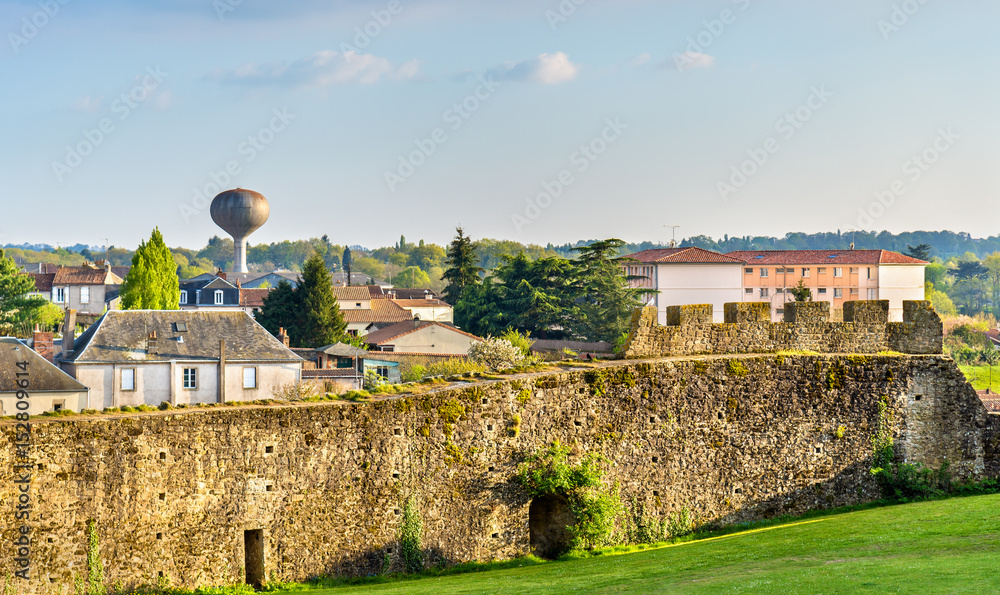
[807,327]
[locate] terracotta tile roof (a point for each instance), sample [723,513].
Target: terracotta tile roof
[253,298]
[423,303]
[85,275]
[991,400]
[400,293]
[381,311]
[43,281]
[404,328]
[682,255]
[822,257]
[352,293]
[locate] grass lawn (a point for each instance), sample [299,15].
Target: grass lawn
[945,546]
[980,377]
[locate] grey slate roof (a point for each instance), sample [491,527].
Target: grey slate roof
[120,336]
[43,376]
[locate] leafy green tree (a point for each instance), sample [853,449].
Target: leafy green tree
[937,274]
[320,321]
[970,269]
[411,278]
[801,293]
[992,265]
[19,312]
[463,270]
[346,262]
[152,282]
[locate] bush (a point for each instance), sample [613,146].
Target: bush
[295,391]
[414,373]
[496,354]
[522,342]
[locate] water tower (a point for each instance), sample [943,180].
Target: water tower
[240,212]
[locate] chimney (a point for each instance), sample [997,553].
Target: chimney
[69,332]
[220,274]
[283,337]
[42,344]
[152,345]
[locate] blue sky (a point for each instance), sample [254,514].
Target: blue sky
[534,121]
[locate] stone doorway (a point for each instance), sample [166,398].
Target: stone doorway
[253,547]
[548,520]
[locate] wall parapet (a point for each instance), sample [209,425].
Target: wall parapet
[807,327]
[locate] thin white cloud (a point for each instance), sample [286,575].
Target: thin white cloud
[87,104]
[691,61]
[322,69]
[640,60]
[547,69]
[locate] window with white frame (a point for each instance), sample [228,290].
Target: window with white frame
[128,379]
[249,377]
[821,290]
[821,270]
[838,292]
[84,295]
[748,290]
[190,378]
[763,272]
[184,296]
[59,295]
[854,291]
[869,272]
[805,272]
[218,297]
[872,293]
[854,270]
[764,292]
[748,271]
[838,272]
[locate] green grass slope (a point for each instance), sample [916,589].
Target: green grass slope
[945,546]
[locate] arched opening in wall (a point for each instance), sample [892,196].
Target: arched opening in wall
[253,547]
[549,519]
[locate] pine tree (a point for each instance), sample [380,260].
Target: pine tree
[320,321]
[346,263]
[152,282]
[280,310]
[462,269]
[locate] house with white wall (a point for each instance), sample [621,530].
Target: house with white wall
[136,357]
[48,387]
[682,276]
[835,276]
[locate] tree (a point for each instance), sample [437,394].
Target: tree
[462,269]
[801,293]
[280,309]
[320,321]
[346,262]
[152,282]
[992,265]
[411,278]
[19,312]
[970,269]
[607,298]
[920,251]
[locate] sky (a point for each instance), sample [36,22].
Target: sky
[535,121]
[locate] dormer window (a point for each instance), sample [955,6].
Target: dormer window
[218,297]
[184,296]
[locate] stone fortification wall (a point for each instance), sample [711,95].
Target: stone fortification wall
[807,327]
[728,438]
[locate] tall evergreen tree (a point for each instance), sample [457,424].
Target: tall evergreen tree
[920,251]
[607,297]
[152,282]
[346,263]
[463,270]
[320,321]
[281,310]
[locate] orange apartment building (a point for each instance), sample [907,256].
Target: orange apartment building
[835,276]
[682,276]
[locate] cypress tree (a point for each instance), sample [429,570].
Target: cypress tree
[320,321]
[152,282]
[463,270]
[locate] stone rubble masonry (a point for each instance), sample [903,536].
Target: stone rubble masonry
[807,327]
[729,438]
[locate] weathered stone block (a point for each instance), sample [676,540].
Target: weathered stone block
[867,311]
[742,312]
[807,312]
[690,314]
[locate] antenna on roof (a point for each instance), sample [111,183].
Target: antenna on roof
[673,235]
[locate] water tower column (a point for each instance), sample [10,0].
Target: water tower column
[240,255]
